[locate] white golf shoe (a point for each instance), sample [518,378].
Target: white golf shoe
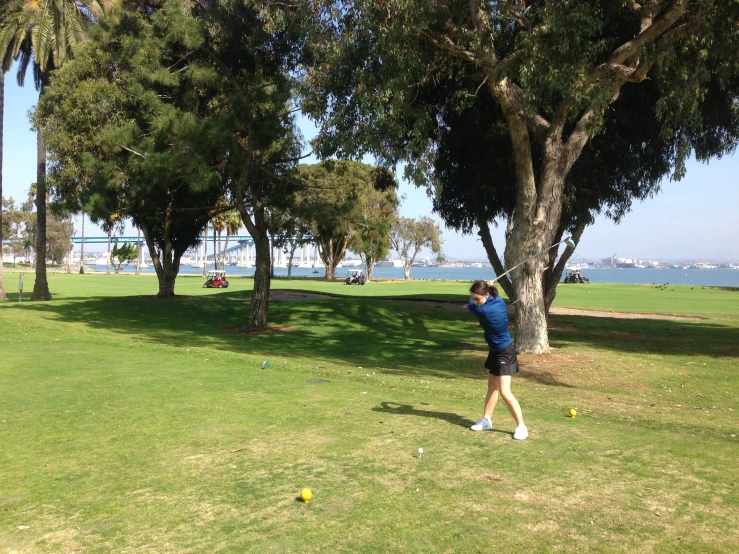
[484,424]
[521,433]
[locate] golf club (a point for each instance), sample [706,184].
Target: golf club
[568,241]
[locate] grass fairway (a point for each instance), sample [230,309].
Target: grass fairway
[131,424]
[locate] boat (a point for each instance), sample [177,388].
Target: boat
[390,263]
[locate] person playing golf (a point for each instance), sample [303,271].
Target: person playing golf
[502,362]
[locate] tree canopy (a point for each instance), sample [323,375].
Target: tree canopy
[396,77]
[378,207]
[409,236]
[169,109]
[334,198]
[43,33]
[127,135]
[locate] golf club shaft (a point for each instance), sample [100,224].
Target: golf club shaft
[531,258]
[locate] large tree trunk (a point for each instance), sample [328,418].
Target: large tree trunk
[528,239]
[369,265]
[537,214]
[2,107]
[167,280]
[259,307]
[408,261]
[530,315]
[41,285]
[293,248]
[332,252]
[258,229]
[167,266]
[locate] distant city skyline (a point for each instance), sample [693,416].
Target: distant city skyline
[696,219]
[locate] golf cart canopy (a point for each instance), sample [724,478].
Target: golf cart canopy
[216,273]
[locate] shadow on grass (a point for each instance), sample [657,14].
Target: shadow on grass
[670,337]
[541,377]
[401,339]
[385,335]
[407,409]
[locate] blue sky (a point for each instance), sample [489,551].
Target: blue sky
[694,219]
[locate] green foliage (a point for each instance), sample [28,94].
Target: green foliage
[408,236]
[43,32]
[59,231]
[378,207]
[121,256]
[8,206]
[344,201]
[493,105]
[289,232]
[131,131]
[330,199]
[17,227]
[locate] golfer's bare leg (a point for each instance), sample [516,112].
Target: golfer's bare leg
[504,385]
[492,397]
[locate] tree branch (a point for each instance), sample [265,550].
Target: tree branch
[492,254]
[560,118]
[617,70]
[650,33]
[635,8]
[515,100]
[132,151]
[446,44]
[226,71]
[482,26]
[284,160]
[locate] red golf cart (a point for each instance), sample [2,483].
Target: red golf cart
[216,279]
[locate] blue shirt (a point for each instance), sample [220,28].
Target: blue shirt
[493,316]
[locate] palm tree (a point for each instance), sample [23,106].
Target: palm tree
[2,106]
[230,222]
[42,31]
[233,224]
[113,223]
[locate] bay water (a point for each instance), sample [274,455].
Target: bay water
[692,277]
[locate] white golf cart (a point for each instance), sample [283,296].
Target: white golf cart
[355,277]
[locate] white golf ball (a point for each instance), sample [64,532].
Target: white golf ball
[420,450]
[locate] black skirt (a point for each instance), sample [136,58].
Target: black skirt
[502,362]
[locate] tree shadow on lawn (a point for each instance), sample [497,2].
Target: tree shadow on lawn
[652,336]
[385,335]
[380,334]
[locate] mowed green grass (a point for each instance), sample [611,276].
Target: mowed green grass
[131,424]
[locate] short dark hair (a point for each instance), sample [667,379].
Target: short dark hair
[482,288]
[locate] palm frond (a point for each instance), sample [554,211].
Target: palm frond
[24,58]
[44,31]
